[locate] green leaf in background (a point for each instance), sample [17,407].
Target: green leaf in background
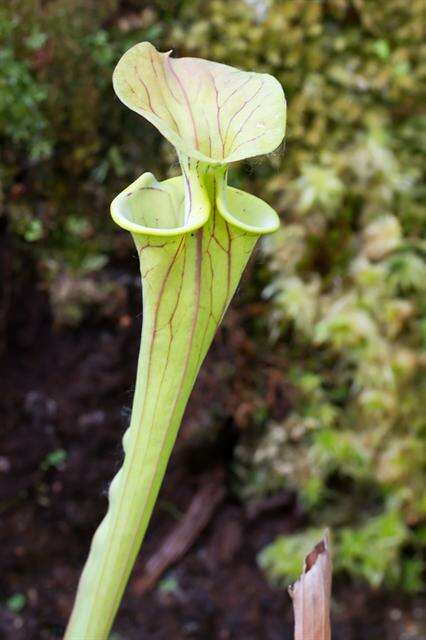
[16,602]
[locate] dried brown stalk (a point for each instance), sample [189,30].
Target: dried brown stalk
[311,595]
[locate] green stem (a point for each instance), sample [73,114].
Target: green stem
[188,281]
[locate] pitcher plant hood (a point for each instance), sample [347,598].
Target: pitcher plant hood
[207,110]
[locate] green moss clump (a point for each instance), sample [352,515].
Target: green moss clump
[348,272]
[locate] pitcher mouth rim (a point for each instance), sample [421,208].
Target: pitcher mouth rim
[270,224]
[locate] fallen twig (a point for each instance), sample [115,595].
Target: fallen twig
[187,531]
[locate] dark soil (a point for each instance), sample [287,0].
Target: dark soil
[69,390]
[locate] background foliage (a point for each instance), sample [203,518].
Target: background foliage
[344,280]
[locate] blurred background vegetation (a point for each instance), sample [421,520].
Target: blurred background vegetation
[343,282]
